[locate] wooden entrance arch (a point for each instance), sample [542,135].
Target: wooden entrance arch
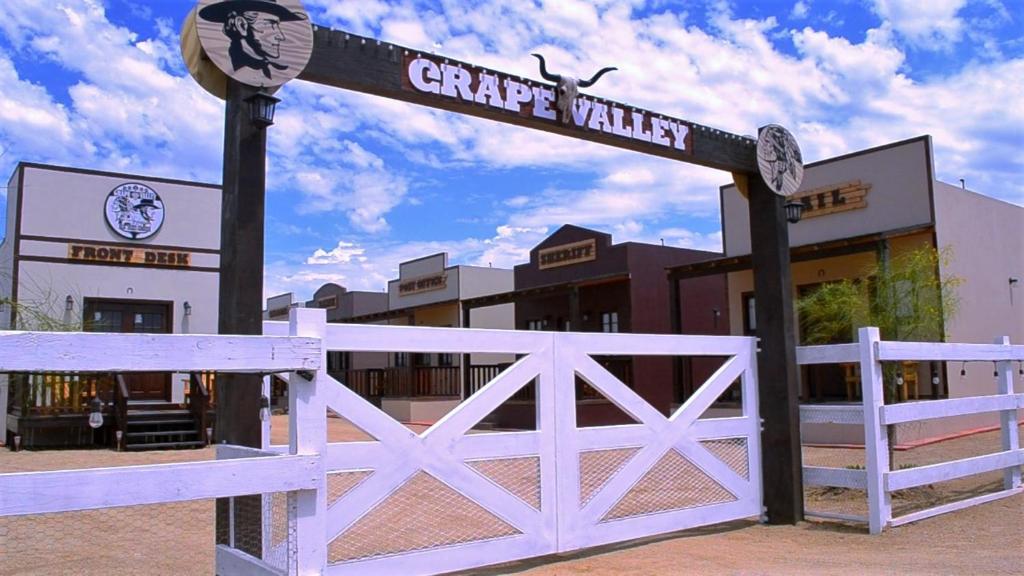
[367,65]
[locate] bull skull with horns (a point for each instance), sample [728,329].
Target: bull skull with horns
[567,87]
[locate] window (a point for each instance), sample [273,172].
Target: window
[401,359]
[534,324]
[445,359]
[610,322]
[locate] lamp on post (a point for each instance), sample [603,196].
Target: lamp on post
[794,211]
[261,108]
[95,413]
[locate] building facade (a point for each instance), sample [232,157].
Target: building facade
[422,387]
[578,280]
[865,208]
[100,251]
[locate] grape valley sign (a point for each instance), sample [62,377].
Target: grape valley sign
[474,85]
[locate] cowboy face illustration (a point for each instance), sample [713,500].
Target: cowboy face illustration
[254,30]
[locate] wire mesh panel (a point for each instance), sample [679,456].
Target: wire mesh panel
[598,466]
[423,513]
[277,538]
[174,538]
[674,483]
[731,451]
[339,483]
[520,476]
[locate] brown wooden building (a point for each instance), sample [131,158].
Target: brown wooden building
[578,280]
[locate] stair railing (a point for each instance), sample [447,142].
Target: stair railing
[199,404]
[121,398]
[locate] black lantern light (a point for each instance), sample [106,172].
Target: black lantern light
[794,211]
[187,307]
[261,108]
[69,303]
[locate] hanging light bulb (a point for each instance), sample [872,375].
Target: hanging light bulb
[264,409]
[963,369]
[96,413]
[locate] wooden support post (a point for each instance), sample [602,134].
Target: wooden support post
[241,295]
[1008,419]
[876,437]
[464,362]
[777,369]
[575,317]
[680,391]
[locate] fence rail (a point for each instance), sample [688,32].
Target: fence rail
[876,476]
[513,494]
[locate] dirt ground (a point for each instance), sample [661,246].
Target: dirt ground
[987,539]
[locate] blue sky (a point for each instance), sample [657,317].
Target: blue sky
[358,184]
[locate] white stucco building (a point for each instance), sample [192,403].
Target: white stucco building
[101,251]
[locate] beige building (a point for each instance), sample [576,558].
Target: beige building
[99,251]
[429,292]
[878,203]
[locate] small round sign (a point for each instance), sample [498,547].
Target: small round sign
[262,43]
[779,160]
[134,211]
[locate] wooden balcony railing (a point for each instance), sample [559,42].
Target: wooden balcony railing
[56,394]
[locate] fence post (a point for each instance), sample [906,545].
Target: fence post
[876,441]
[1008,419]
[307,434]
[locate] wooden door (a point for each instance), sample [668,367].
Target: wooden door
[133,317]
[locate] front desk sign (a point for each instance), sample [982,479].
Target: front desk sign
[132,256]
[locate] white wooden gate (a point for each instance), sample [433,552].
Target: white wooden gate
[453,498]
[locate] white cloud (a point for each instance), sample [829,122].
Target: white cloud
[343,253]
[127,112]
[799,11]
[131,106]
[933,25]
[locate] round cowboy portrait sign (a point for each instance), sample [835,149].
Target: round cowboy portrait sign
[779,160]
[256,42]
[134,211]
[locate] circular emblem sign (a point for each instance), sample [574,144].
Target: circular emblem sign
[134,211]
[779,160]
[257,42]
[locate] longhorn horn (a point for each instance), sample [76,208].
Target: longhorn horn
[601,72]
[544,71]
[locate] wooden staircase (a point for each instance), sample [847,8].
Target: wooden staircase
[157,425]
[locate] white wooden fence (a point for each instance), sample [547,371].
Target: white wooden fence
[449,498]
[876,477]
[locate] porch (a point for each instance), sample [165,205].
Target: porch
[52,410]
